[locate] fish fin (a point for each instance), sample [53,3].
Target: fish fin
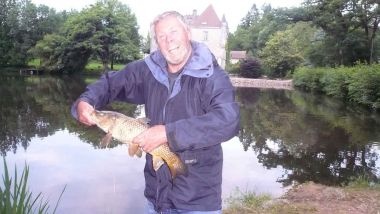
[139,153]
[106,140]
[157,162]
[133,149]
[143,120]
[177,168]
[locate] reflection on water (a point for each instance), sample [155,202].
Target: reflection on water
[311,137]
[285,137]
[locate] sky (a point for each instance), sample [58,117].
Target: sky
[146,10]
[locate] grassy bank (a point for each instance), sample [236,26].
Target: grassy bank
[360,196]
[359,84]
[93,67]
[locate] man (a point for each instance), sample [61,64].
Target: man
[190,102]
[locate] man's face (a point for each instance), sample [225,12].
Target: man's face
[173,40]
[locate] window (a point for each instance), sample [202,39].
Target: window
[205,36]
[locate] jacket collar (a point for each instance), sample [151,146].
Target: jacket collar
[200,63]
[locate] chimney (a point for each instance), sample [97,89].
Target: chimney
[194,13]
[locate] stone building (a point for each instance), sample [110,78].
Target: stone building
[236,56]
[209,29]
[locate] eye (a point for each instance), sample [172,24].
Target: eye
[161,37]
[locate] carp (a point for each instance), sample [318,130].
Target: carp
[124,129]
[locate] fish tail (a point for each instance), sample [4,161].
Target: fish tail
[177,168]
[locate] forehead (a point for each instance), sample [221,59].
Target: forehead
[167,23]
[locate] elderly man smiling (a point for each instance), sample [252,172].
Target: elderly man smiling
[190,102]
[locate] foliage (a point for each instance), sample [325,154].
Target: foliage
[256,29]
[363,181]
[335,82]
[59,54]
[233,68]
[22,24]
[97,66]
[106,30]
[16,198]
[252,203]
[308,79]
[250,68]
[319,33]
[364,86]
[146,44]
[359,84]
[350,28]
[246,202]
[286,50]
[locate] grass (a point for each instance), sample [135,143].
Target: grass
[35,63]
[92,66]
[362,182]
[246,202]
[251,203]
[16,198]
[97,66]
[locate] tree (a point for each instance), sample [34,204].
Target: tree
[256,29]
[252,17]
[350,27]
[287,49]
[108,29]
[368,13]
[22,24]
[146,44]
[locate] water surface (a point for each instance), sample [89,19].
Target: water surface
[286,137]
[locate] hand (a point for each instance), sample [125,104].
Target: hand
[151,138]
[84,111]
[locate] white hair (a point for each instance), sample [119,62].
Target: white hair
[160,17]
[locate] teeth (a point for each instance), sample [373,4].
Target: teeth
[172,49]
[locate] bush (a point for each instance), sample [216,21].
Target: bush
[308,79]
[335,82]
[233,68]
[250,68]
[359,84]
[364,86]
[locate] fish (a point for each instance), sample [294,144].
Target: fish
[123,129]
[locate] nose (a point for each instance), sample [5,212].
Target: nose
[169,37]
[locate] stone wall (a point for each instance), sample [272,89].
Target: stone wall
[262,83]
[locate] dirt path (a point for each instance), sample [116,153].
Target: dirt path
[319,199]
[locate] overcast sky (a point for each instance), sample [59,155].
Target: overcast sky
[146,10]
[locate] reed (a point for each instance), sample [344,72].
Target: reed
[16,198]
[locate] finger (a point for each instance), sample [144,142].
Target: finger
[139,139]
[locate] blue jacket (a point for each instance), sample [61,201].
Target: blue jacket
[199,114]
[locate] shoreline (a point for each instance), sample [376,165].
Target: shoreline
[262,83]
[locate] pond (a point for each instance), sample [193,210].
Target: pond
[286,137]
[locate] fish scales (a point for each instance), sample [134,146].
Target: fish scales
[124,129]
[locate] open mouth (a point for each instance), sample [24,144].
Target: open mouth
[171,50]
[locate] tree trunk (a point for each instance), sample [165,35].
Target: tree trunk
[111,61]
[372,40]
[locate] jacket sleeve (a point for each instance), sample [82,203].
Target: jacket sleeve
[220,122]
[125,85]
